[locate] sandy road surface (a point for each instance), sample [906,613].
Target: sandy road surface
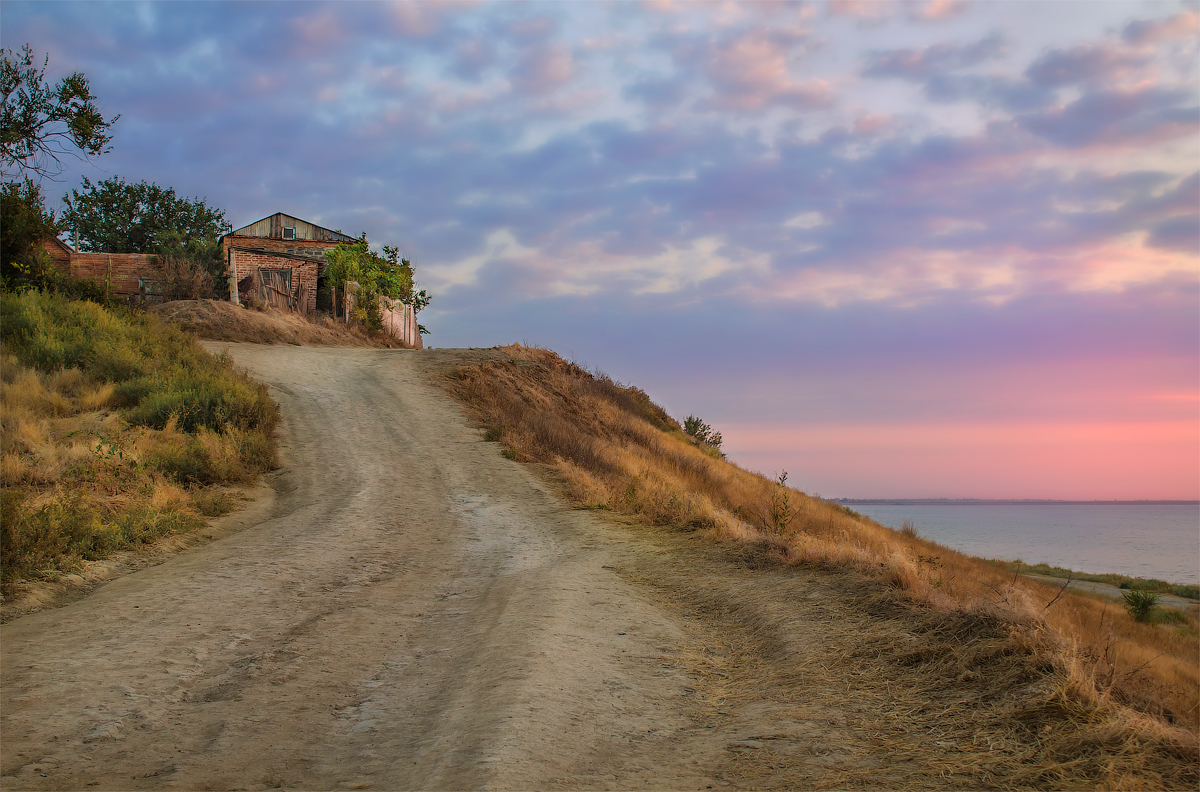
[420,613]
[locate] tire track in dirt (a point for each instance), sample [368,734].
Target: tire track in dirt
[420,613]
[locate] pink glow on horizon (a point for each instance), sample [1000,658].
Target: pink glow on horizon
[1086,461]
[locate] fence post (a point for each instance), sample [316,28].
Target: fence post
[233,293]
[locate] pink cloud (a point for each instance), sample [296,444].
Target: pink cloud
[541,70]
[418,20]
[868,10]
[937,10]
[323,27]
[751,72]
[1148,31]
[869,124]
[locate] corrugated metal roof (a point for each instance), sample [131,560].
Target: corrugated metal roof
[272,227]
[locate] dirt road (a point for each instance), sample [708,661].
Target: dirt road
[418,612]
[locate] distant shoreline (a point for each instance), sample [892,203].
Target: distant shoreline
[1022,502]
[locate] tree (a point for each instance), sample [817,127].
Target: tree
[41,122]
[116,217]
[24,225]
[387,275]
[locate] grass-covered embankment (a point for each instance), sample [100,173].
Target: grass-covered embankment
[117,429]
[1079,694]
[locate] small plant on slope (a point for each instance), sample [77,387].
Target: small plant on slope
[694,427]
[1140,604]
[776,513]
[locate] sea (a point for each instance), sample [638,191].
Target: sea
[1149,540]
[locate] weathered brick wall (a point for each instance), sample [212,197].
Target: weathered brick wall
[304,273]
[125,273]
[60,254]
[297,247]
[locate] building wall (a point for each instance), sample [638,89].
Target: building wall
[304,273]
[60,254]
[297,247]
[125,273]
[400,321]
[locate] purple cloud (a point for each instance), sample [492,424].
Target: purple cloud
[920,64]
[1183,25]
[1117,118]
[1093,64]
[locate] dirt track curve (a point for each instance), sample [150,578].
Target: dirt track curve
[417,612]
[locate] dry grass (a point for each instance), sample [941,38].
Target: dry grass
[1119,706]
[218,320]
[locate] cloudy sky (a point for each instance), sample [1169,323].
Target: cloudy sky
[897,249]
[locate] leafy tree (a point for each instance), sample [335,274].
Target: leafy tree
[41,122]
[387,275]
[24,225]
[114,216]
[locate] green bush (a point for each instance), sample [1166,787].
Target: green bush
[158,372]
[1140,603]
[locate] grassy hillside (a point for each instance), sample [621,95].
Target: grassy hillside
[1090,697]
[117,429]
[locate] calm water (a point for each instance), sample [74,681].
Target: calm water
[1143,540]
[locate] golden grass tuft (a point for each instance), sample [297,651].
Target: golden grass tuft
[1117,704]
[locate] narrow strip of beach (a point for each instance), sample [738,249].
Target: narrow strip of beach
[1113,592]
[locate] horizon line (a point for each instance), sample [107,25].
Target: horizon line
[935,501]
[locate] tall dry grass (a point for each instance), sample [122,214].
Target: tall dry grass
[1120,705]
[114,430]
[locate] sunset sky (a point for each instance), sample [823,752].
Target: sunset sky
[910,249]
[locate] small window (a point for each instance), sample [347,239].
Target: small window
[289,233]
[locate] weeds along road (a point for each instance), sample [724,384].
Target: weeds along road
[420,613]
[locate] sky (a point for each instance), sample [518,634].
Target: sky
[897,249]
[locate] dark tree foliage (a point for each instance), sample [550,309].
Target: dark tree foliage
[24,225]
[698,429]
[41,122]
[116,217]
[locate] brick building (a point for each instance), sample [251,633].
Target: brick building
[279,258]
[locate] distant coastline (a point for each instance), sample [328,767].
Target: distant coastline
[1002,502]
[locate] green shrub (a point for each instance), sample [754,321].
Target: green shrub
[158,372]
[1140,603]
